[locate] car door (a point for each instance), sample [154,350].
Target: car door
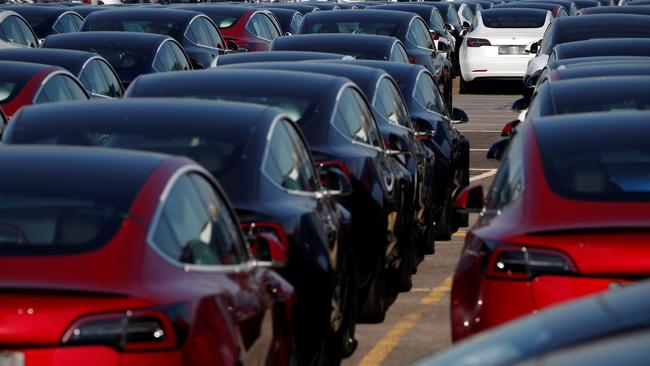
[59,87]
[197,229]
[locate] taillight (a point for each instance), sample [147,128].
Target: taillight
[509,127]
[477,42]
[524,263]
[264,227]
[138,330]
[412,60]
[339,164]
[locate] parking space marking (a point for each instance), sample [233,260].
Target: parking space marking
[484,175]
[479,149]
[484,131]
[480,169]
[391,340]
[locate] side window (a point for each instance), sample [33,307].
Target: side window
[14,30]
[552,57]
[213,32]
[68,23]
[296,23]
[27,34]
[287,162]
[181,60]
[354,120]
[508,182]
[195,227]
[257,27]
[419,34]
[561,13]
[467,13]
[59,88]
[170,58]
[474,24]
[93,79]
[114,84]
[427,94]
[452,15]
[546,47]
[389,104]
[398,54]
[436,20]
[204,33]
[271,27]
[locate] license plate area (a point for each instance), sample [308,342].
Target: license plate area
[512,50]
[9,358]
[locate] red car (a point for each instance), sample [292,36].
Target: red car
[109,257]
[24,83]
[251,29]
[567,215]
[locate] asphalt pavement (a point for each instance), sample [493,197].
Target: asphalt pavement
[417,323]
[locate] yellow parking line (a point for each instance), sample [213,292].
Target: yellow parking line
[460,234]
[391,340]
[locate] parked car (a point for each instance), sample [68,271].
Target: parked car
[416,175]
[596,67]
[72,216]
[435,125]
[289,20]
[360,46]
[453,24]
[443,39]
[557,10]
[409,28]
[23,83]
[466,12]
[46,20]
[631,9]
[245,28]
[499,44]
[340,131]
[93,71]
[602,47]
[587,200]
[130,53]
[586,4]
[16,32]
[195,32]
[237,58]
[599,317]
[571,29]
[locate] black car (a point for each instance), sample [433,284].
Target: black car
[586,4]
[630,9]
[94,72]
[290,20]
[194,31]
[557,10]
[396,128]
[580,28]
[612,67]
[445,42]
[603,316]
[360,46]
[602,47]
[261,160]
[591,94]
[453,24]
[131,54]
[46,20]
[340,130]
[251,57]
[435,123]
[408,27]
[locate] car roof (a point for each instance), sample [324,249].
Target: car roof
[624,21]
[167,14]
[574,124]
[517,4]
[577,60]
[25,69]
[365,14]
[235,10]
[628,9]
[343,41]
[605,47]
[70,60]
[604,69]
[88,39]
[40,10]
[513,12]
[242,57]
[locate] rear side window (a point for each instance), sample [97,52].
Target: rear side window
[513,20]
[169,58]
[353,119]
[398,54]
[388,102]
[427,94]
[419,34]
[93,79]
[15,30]
[296,23]
[59,88]
[68,23]
[195,227]
[452,15]
[115,87]
[261,26]
[436,20]
[203,33]
[508,182]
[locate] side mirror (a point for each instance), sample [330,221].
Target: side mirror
[443,47]
[519,105]
[335,181]
[434,35]
[459,116]
[509,128]
[234,47]
[288,33]
[533,48]
[449,27]
[498,148]
[470,199]
[268,251]
[465,25]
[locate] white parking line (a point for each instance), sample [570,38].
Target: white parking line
[484,175]
[481,131]
[479,149]
[480,169]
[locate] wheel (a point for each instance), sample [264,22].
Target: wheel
[430,237]
[343,344]
[466,87]
[444,228]
[374,310]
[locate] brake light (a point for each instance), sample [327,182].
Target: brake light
[276,230]
[524,263]
[137,330]
[477,42]
[509,127]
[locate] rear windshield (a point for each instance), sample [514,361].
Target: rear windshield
[140,26]
[600,98]
[596,166]
[382,29]
[514,20]
[121,58]
[224,21]
[65,211]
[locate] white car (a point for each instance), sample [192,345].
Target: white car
[15,31]
[498,45]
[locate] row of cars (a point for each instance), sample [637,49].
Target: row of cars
[566,216]
[265,205]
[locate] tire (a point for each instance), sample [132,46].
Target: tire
[374,309]
[430,237]
[343,344]
[466,87]
[444,228]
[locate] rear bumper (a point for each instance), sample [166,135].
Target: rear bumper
[477,63]
[97,356]
[500,301]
